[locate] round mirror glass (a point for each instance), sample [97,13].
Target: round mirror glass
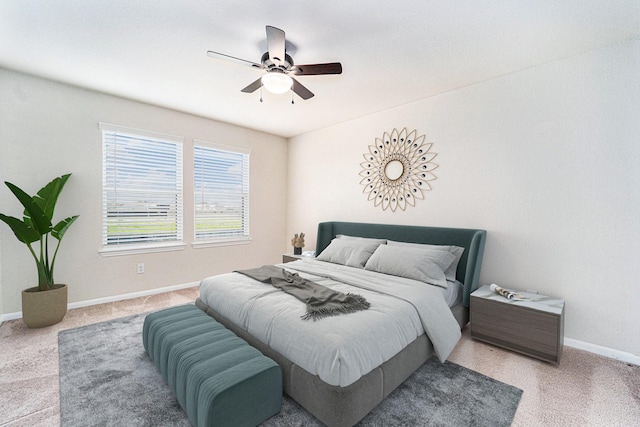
[394,170]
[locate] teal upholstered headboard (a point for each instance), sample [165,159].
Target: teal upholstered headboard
[471,240]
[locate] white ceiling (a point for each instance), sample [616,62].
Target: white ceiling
[392,52]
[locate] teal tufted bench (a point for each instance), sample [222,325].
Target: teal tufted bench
[218,379]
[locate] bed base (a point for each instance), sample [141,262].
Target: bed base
[343,406]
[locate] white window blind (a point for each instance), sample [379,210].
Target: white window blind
[221,192]
[141,187]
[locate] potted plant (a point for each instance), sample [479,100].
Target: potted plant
[45,304]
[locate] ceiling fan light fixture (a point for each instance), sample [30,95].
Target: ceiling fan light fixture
[277,82]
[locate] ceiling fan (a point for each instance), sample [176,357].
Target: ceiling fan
[279,65]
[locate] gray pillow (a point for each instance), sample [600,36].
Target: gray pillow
[350,252]
[411,263]
[362,239]
[456,251]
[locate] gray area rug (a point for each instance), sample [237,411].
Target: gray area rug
[106,379]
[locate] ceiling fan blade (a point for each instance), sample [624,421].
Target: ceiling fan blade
[317,69]
[253,86]
[275,44]
[300,90]
[218,55]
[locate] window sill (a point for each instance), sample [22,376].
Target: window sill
[140,249]
[214,243]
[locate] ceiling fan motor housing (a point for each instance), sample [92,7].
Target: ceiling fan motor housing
[269,65]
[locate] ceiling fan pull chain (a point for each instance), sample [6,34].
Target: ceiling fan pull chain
[260,93]
[292,97]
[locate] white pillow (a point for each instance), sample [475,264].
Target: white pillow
[351,252]
[411,263]
[456,251]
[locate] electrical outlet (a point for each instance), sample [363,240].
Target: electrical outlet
[140,268]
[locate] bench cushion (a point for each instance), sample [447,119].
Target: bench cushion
[217,378]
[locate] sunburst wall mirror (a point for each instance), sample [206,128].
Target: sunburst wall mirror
[397,169]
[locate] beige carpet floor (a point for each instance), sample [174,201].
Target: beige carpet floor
[584,390]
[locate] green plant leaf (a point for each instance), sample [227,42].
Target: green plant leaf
[23,232]
[34,216]
[47,197]
[61,227]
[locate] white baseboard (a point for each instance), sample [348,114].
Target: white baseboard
[603,351]
[18,315]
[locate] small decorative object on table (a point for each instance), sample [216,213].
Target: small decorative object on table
[298,243]
[507,293]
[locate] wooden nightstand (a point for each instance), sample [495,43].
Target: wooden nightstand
[534,327]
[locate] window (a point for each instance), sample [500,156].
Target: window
[221,193]
[141,189]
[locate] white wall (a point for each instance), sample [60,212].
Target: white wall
[547,160]
[48,129]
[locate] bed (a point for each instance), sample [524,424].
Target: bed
[340,368]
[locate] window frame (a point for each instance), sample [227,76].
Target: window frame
[245,238]
[117,249]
